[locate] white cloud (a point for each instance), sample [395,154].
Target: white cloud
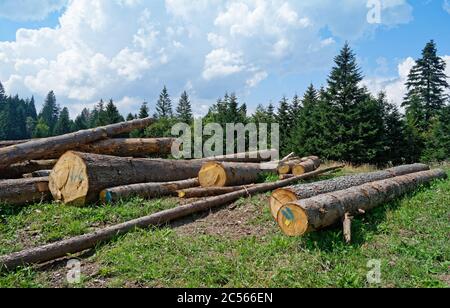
[446,6]
[131,48]
[23,10]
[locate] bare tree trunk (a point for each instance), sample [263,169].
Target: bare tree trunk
[146,190]
[248,157]
[78,178]
[325,210]
[40,149]
[24,191]
[304,191]
[80,243]
[18,170]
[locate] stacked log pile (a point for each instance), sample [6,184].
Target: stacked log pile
[86,167]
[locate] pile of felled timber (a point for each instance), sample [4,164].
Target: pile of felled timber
[89,167]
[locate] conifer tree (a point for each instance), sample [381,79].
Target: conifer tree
[82,121]
[184,109]
[112,113]
[42,130]
[64,125]
[50,111]
[144,111]
[427,85]
[438,141]
[164,105]
[2,93]
[284,120]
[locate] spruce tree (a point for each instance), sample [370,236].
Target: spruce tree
[112,113]
[164,105]
[284,120]
[144,111]
[31,109]
[82,121]
[427,85]
[50,111]
[42,130]
[64,125]
[184,109]
[2,93]
[131,117]
[438,141]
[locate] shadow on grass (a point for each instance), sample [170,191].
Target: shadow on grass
[332,239]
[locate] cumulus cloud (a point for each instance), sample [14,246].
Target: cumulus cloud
[128,49]
[24,10]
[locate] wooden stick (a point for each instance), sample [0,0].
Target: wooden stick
[347,226]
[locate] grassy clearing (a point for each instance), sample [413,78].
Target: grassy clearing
[240,246]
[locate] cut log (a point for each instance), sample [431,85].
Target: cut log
[215,174]
[286,168]
[248,157]
[78,178]
[40,149]
[146,190]
[38,174]
[208,192]
[308,215]
[306,166]
[80,243]
[304,191]
[347,228]
[18,170]
[24,191]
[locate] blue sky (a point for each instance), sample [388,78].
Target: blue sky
[261,49]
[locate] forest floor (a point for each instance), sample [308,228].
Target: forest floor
[239,246]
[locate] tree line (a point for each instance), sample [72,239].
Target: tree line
[340,121]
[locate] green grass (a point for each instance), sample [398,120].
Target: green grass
[409,236]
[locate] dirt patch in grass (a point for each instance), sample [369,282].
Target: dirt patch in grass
[247,217]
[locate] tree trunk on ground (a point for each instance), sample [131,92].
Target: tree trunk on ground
[322,211]
[24,191]
[18,170]
[80,243]
[208,192]
[39,149]
[38,174]
[248,157]
[132,147]
[304,191]
[8,143]
[78,178]
[286,168]
[146,190]
[304,167]
[215,174]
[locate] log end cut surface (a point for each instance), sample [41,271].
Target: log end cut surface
[69,181]
[279,198]
[212,174]
[293,220]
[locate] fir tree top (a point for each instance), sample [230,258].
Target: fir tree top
[164,105]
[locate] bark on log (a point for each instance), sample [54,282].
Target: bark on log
[8,143]
[18,170]
[322,211]
[80,243]
[248,157]
[38,174]
[24,191]
[304,191]
[208,192]
[146,190]
[39,149]
[78,178]
[215,174]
